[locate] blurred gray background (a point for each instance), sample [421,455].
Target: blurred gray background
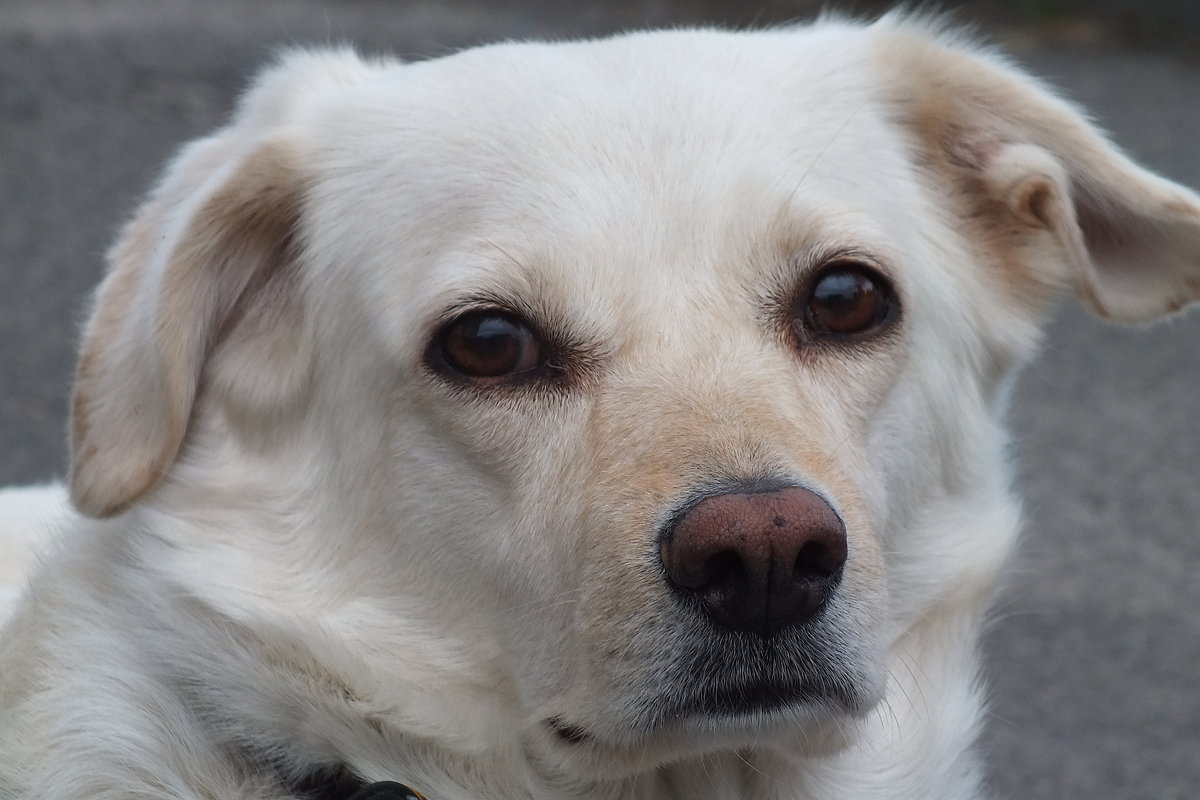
[1094,655]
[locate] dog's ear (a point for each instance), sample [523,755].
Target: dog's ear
[211,248]
[202,294]
[1034,179]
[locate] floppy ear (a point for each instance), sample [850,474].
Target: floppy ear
[1034,178]
[204,265]
[203,293]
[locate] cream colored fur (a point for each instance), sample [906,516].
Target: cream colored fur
[308,548]
[29,518]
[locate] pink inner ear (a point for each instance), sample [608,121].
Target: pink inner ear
[1131,241]
[1111,233]
[1144,249]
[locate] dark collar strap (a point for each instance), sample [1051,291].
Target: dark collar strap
[386,790]
[340,784]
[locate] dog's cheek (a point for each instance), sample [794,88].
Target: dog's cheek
[497,488]
[938,455]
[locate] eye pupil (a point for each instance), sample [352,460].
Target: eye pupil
[846,300]
[489,344]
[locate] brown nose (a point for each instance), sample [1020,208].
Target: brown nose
[757,562]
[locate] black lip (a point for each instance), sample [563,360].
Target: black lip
[759,697]
[567,732]
[722,701]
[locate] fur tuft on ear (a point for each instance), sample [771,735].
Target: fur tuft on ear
[1024,162]
[205,272]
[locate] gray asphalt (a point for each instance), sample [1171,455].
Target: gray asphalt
[1094,655]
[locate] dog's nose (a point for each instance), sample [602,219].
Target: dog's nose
[757,562]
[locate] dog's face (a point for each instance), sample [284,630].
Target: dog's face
[646,389]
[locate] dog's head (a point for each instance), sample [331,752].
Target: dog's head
[644,390]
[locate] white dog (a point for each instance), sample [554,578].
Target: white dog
[613,419]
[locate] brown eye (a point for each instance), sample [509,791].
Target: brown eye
[847,299]
[490,344]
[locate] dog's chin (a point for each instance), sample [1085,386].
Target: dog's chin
[801,719]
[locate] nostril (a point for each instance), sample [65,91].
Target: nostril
[807,562]
[818,560]
[715,573]
[724,568]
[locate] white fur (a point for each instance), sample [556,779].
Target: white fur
[29,517]
[311,547]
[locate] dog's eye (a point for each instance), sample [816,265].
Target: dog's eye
[846,299]
[490,344]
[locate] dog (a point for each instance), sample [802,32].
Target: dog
[607,419]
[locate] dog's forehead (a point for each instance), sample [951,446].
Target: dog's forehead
[665,158]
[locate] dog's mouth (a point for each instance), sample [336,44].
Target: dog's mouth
[755,698]
[567,733]
[691,688]
[761,700]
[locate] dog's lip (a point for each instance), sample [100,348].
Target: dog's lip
[730,702]
[762,696]
[568,733]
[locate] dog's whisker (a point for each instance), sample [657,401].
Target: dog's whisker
[824,149]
